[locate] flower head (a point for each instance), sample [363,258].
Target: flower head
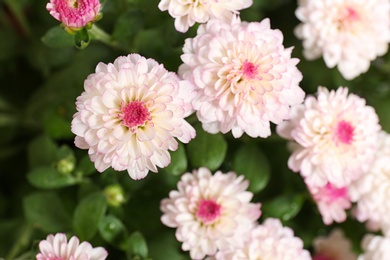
[332,202]
[333,247]
[74,14]
[269,241]
[244,76]
[57,247]
[335,29]
[210,212]
[188,12]
[334,138]
[372,191]
[130,114]
[375,248]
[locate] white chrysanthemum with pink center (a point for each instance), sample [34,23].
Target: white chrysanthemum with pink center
[335,246]
[189,12]
[57,247]
[74,14]
[245,77]
[130,114]
[268,241]
[375,248]
[210,212]
[334,136]
[336,30]
[332,202]
[372,191]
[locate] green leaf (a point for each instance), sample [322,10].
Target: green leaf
[49,178]
[207,150]
[56,125]
[179,162]
[284,207]
[57,37]
[251,162]
[42,151]
[44,210]
[85,166]
[88,214]
[113,231]
[136,245]
[127,25]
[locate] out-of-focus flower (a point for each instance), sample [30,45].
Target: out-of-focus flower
[210,212]
[188,12]
[333,247]
[130,114]
[74,14]
[334,137]
[331,202]
[269,241]
[57,247]
[372,191]
[375,248]
[336,30]
[245,77]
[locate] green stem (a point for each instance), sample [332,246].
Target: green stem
[99,34]
[22,243]
[15,8]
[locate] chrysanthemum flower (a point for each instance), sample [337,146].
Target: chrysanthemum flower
[269,241]
[57,247]
[333,247]
[210,212]
[375,248]
[334,137]
[336,30]
[188,12]
[372,191]
[332,202]
[130,114]
[245,77]
[74,14]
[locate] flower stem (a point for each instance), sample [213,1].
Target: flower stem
[99,34]
[16,10]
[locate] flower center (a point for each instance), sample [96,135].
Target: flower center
[134,114]
[208,211]
[73,3]
[348,16]
[344,132]
[249,70]
[330,194]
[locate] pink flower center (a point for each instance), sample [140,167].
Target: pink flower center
[321,257]
[249,70]
[352,15]
[134,114]
[344,132]
[330,194]
[208,211]
[348,16]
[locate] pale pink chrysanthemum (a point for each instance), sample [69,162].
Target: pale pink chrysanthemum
[244,76]
[268,241]
[130,114]
[336,30]
[57,247]
[332,202]
[372,191]
[189,12]
[210,212]
[335,246]
[375,247]
[334,137]
[74,14]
